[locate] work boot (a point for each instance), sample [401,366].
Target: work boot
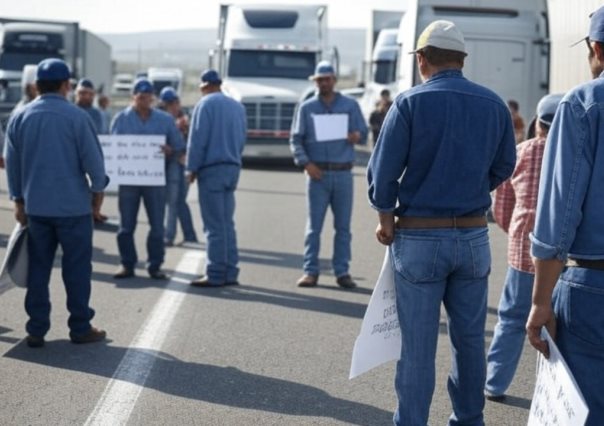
[34,341]
[94,335]
[308,281]
[345,281]
[123,272]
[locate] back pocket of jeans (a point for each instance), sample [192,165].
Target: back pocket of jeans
[481,256]
[585,316]
[416,259]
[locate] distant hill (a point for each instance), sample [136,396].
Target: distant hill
[188,49]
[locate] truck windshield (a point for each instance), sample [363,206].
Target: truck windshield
[384,72]
[270,63]
[15,61]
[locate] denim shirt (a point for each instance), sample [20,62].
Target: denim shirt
[52,153]
[303,142]
[570,206]
[97,118]
[444,146]
[128,122]
[218,132]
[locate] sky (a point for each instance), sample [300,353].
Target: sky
[126,16]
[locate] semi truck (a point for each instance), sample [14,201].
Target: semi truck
[265,55]
[24,42]
[163,77]
[507,43]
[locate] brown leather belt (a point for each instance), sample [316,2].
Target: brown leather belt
[334,166]
[586,263]
[410,222]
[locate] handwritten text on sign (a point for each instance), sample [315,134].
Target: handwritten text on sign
[134,159]
[557,400]
[380,338]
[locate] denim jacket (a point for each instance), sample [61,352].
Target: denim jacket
[569,218]
[444,145]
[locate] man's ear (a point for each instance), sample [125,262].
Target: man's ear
[599,51]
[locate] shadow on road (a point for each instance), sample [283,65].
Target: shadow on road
[227,386]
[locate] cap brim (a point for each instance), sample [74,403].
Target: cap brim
[580,41]
[317,76]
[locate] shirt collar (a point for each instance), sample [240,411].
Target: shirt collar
[54,96]
[452,73]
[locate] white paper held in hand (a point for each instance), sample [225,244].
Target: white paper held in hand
[14,266]
[557,399]
[380,338]
[330,127]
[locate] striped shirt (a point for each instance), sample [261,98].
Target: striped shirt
[516,203]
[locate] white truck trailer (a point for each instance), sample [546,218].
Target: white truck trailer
[507,43]
[265,54]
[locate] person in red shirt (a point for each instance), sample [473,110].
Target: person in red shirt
[514,212]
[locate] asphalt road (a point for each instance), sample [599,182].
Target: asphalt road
[265,353]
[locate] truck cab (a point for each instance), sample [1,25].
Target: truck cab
[164,77]
[265,55]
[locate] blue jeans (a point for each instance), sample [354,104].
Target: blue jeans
[74,234]
[508,339]
[449,266]
[176,198]
[154,200]
[579,310]
[334,189]
[216,185]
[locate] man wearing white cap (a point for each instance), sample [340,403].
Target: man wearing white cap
[328,163]
[444,146]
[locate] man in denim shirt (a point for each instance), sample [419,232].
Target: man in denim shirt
[142,119]
[56,177]
[444,146]
[328,164]
[569,231]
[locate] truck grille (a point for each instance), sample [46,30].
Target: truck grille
[269,116]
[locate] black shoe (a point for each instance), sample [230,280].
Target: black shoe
[494,397]
[345,281]
[205,282]
[168,243]
[123,272]
[94,335]
[34,341]
[158,275]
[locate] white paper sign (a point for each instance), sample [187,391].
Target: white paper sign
[14,267]
[330,127]
[380,338]
[134,159]
[557,399]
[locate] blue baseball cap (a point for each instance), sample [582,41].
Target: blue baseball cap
[210,77]
[596,25]
[323,69]
[142,85]
[53,69]
[547,106]
[85,83]
[168,94]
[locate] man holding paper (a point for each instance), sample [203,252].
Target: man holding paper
[568,238]
[142,119]
[325,129]
[444,146]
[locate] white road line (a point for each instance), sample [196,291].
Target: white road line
[120,396]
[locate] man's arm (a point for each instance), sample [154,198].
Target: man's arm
[505,159]
[359,131]
[199,135]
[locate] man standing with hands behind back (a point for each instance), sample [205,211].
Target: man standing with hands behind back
[445,145]
[328,163]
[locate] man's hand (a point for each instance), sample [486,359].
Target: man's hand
[541,316]
[97,202]
[20,213]
[313,171]
[167,150]
[183,159]
[190,177]
[385,229]
[354,137]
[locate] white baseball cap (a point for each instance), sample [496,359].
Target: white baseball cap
[29,75]
[443,35]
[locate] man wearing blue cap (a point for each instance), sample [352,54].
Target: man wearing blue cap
[176,185]
[216,140]
[142,119]
[514,211]
[444,146]
[84,98]
[328,163]
[568,238]
[56,177]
